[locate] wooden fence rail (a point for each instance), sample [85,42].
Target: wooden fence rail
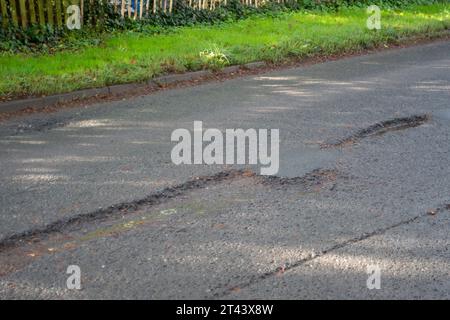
[24,13]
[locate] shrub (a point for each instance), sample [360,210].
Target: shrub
[101,19]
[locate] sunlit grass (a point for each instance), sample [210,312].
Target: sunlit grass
[129,57]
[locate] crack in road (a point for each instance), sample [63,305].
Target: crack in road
[314,255]
[74,223]
[379,128]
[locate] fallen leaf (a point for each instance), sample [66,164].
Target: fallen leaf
[248,173]
[219,226]
[280,271]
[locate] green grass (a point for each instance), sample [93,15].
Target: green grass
[129,57]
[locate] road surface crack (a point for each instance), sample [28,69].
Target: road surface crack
[312,256]
[74,223]
[379,129]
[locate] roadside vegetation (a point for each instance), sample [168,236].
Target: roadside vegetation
[136,52]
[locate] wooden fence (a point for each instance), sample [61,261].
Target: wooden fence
[54,12]
[30,12]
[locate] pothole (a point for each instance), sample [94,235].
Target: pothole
[379,128]
[173,210]
[314,180]
[74,222]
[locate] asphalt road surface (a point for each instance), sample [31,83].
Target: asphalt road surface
[95,187]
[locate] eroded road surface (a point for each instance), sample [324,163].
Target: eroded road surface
[364,181]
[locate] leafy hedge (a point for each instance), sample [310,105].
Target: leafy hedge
[102,20]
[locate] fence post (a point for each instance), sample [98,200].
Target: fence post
[13,11]
[58,13]
[4,13]
[82,11]
[50,12]
[32,12]
[41,12]
[65,5]
[23,13]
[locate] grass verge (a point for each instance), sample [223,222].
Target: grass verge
[132,57]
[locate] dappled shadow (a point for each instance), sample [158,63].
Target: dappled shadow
[120,151]
[244,239]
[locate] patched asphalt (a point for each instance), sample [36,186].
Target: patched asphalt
[382,199]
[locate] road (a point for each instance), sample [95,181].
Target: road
[95,187]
